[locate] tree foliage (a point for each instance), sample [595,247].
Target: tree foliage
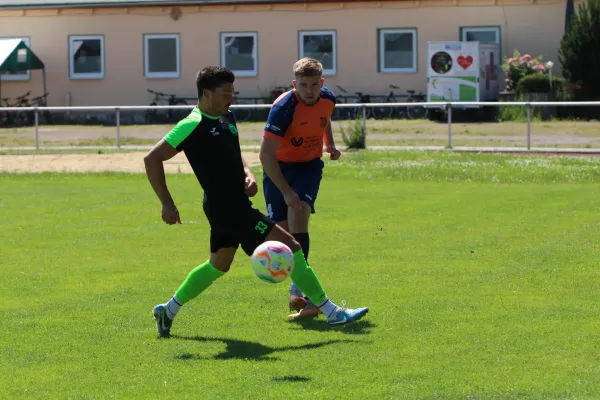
[579,51]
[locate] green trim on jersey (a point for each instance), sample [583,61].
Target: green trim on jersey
[207,116]
[184,128]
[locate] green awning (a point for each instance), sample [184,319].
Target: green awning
[16,56]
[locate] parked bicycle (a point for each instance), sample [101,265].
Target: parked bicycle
[415,112]
[352,113]
[338,112]
[45,117]
[16,118]
[278,91]
[169,115]
[4,115]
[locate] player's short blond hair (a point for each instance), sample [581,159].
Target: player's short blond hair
[308,67]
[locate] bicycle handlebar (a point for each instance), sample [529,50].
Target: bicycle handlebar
[23,97]
[161,94]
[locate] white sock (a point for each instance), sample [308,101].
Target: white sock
[327,308]
[173,306]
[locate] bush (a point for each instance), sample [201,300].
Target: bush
[518,113]
[356,136]
[540,83]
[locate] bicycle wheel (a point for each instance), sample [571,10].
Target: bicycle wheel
[338,112]
[417,112]
[351,113]
[151,114]
[47,118]
[4,118]
[241,114]
[383,112]
[20,119]
[177,115]
[334,114]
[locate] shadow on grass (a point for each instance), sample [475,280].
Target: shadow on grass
[356,328]
[245,350]
[290,378]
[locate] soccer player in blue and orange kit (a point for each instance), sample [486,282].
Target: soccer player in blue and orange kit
[298,124]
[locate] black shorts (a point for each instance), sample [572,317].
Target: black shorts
[248,228]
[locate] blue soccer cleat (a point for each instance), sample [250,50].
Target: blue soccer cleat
[163,322]
[343,316]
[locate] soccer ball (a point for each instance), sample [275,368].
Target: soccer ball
[273,261]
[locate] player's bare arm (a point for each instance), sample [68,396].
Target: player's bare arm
[334,153]
[268,149]
[251,187]
[155,171]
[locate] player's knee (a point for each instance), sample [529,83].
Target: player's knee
[222,259]
[289,240]
[221,265]
[284,225]
[284,237]
[294,245]
[300,214]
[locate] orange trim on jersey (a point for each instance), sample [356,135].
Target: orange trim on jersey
[273,136]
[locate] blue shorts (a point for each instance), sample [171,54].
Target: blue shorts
[304,178]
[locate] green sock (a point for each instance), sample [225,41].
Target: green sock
[305,279]
[197,281]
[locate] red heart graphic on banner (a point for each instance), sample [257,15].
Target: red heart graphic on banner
[465,62]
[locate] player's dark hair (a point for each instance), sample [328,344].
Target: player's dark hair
[213,77]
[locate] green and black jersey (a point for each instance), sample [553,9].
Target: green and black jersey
[212,147]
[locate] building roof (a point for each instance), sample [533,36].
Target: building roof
[37,4]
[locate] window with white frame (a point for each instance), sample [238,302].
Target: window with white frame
[320,45]
[239,52]
[398,50]
[481,34]
[161,56]
[86,57]
[16,75]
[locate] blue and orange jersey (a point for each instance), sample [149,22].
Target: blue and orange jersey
[298,127]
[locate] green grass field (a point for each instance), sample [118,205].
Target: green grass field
[480,271]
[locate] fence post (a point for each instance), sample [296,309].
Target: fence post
[36,117]
[449,106]
[528,126]
[364,125]
[118,121]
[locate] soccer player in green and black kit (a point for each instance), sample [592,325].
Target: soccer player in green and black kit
[208,136]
